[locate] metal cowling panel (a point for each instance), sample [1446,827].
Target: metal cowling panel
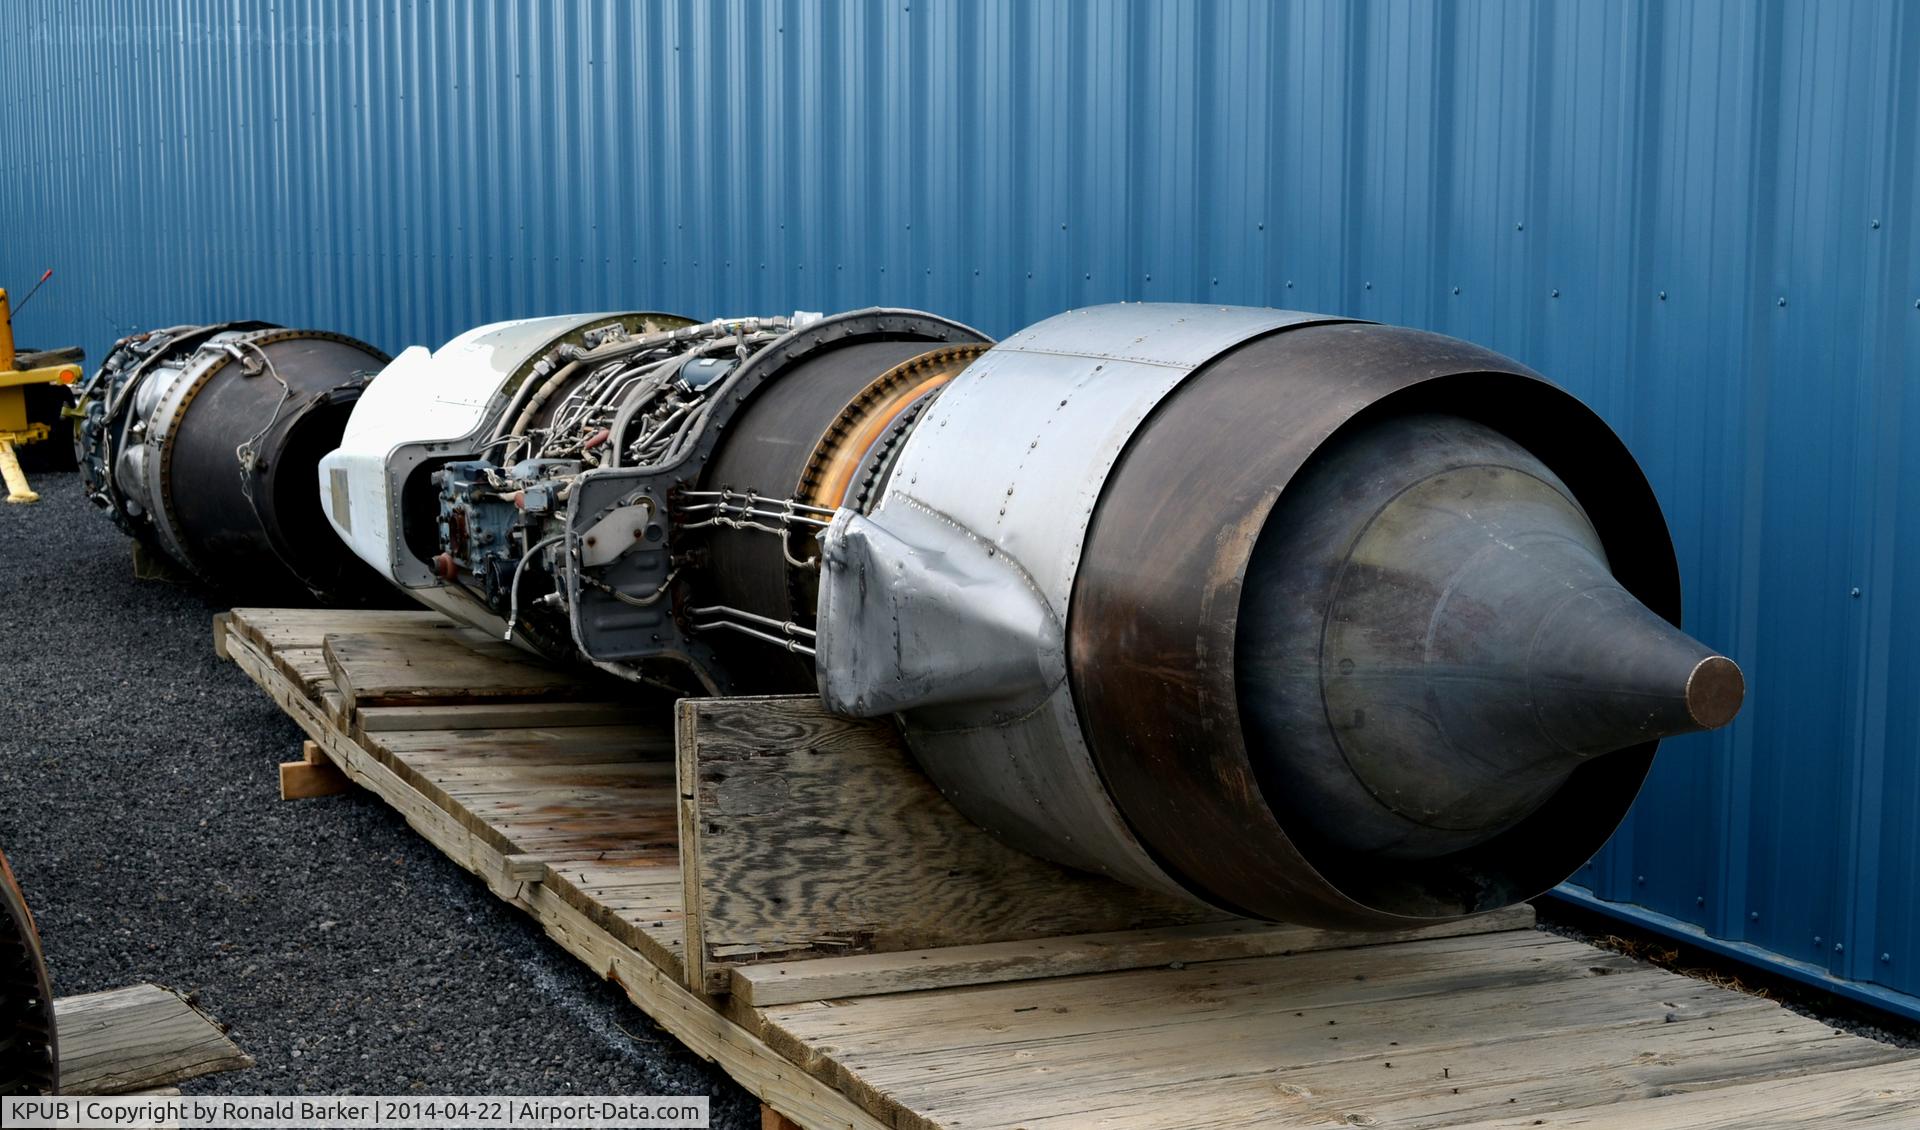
[1011,459]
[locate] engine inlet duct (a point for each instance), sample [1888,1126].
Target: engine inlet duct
[201,442]
[1300,617]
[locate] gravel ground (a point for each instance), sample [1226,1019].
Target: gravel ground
[141,814]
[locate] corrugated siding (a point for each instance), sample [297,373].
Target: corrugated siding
[1701,217]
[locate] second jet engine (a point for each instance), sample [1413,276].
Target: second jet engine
[201,443]
[1292,615]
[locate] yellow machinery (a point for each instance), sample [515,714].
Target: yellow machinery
[14,426]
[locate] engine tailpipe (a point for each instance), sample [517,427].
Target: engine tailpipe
[1431,642]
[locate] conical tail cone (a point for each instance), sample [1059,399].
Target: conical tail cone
[1445,645]
[1606,673]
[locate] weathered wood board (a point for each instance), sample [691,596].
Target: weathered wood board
[502,715]
[785,982]
[425,664]
[812,835]
[572,808]
[1508,1027]
[139,1038]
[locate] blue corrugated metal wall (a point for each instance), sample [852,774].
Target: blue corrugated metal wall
[1701,217]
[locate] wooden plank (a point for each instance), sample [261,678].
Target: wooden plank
[311,776]
[639,907]
[425,817]
[273,628]
[1436,1088]
[292,637]
[1882,1095]
[693,1020]
[1516,1021]
[650,977]
[136,1039]
[306,667]
[532,745]
[1220,991]
[870,974]
[514,803]
[642,779]
[428,665]
[333,706]
[777,793]
[512,715]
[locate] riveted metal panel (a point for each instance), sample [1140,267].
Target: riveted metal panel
[1054,405]
[1700,217]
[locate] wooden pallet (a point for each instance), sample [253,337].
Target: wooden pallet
[783,892]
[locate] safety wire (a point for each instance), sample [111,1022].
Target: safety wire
[248,450]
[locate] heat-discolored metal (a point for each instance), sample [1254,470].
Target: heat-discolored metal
[1192,609]
[998,480]
[778,445]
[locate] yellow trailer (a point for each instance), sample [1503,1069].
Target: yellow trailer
[16,374]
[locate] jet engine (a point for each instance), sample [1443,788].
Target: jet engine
[201,442]
[1297,616]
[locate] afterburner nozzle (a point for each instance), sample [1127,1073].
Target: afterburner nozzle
[1433,642]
